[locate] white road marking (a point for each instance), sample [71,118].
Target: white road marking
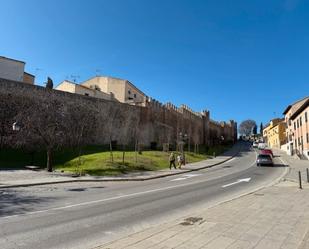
[179,179]
[238,181]
[186,176]
[191,175]
[103,200]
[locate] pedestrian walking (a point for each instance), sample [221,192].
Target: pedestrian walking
[179,161]
[172,160]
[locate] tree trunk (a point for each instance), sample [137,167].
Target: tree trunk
[111,150]
[49,160]
[123,153]
[136,148]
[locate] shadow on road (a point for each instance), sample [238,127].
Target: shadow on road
[277,165]
[16,202]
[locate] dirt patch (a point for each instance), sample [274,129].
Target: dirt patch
[191,221]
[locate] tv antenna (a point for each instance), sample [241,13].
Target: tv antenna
[74,78]
[97,72]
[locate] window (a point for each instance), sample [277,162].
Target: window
[300,123]
[307,135]
[301,140]
[306,117]
[86,94]
[129,92]
[297,123]
[134,95]
[290,122]
[294,126]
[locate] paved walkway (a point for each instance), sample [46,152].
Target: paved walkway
[296,165]
[276,217]
[18,178]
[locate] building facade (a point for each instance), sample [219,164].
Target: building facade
[71,87]
[12,69]
[274,133]
[297,120]
[109,88]
[123,90]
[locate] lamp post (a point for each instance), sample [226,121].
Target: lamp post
[183,137]
[16,126]
[222,139]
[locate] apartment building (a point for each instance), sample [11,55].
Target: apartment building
[106,88]
[123,90]
[274,133]
[297,120]
[12,69]
[71,87]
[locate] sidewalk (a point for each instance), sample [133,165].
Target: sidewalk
[276,217]
[22,178]
[295,166]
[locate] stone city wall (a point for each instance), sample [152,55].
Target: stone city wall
[125,124]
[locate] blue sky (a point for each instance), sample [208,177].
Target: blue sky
[239,59]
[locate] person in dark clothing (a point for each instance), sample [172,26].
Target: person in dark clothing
[172,160]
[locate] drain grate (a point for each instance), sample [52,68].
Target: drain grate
[191,221]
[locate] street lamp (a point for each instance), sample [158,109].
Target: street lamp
[16,126]
[222,139]
[183,138]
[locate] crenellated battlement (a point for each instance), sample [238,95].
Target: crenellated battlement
[157,122]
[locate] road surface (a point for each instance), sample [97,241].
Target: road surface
[85,215]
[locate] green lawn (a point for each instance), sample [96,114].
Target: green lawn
[96,160]
[101,164]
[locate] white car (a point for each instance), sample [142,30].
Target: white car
[262,146]
[255,145]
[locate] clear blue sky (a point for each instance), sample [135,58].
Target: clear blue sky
[239,59]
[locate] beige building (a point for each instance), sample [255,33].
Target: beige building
[274,134]
[12,69]
[123,90]
[297,120]
[71,87]
[106,88]
[268,127]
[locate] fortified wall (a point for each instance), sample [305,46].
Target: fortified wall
[153,123]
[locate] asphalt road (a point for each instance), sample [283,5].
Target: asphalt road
[85,215]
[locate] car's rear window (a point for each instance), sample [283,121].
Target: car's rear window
[264,156]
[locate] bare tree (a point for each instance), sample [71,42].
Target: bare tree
[129,120]
[44,121]
[81,124]
[246,127]
[108,117]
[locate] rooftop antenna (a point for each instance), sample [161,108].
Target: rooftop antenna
[97,72]
[37,70]
[74,78]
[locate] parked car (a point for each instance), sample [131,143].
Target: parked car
[264,159]
[255,145]
[267,151]
[262,146]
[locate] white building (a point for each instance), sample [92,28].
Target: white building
[106,88]
[12,69]
[71,87]
[123,90]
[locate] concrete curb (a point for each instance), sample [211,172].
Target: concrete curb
[120,179]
